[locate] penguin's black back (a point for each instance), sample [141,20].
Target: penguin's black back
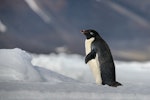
[105,58]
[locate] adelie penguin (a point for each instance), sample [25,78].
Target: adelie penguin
[99,58]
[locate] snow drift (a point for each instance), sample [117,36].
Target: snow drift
[15,65]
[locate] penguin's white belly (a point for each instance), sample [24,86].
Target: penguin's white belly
[94,63]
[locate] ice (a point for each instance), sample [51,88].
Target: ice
[21,80]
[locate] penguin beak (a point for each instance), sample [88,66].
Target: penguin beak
[82,31]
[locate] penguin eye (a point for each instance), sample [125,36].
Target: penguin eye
[91,33]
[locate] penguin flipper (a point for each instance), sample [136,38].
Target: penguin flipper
[90,56]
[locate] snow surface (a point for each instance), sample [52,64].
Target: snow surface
[22,80]
[72,65]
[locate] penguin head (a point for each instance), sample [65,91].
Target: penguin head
[90,33]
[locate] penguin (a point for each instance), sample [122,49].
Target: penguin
[99,58]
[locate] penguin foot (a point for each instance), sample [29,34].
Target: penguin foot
[115,84]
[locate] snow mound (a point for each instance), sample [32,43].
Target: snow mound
[15,64]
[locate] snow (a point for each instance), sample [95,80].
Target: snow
[69,65]
[16,65]
[3,27]
[72,65]
[40,78]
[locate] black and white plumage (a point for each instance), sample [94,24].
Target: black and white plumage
[99,58]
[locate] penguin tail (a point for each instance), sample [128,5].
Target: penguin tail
[115,84]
